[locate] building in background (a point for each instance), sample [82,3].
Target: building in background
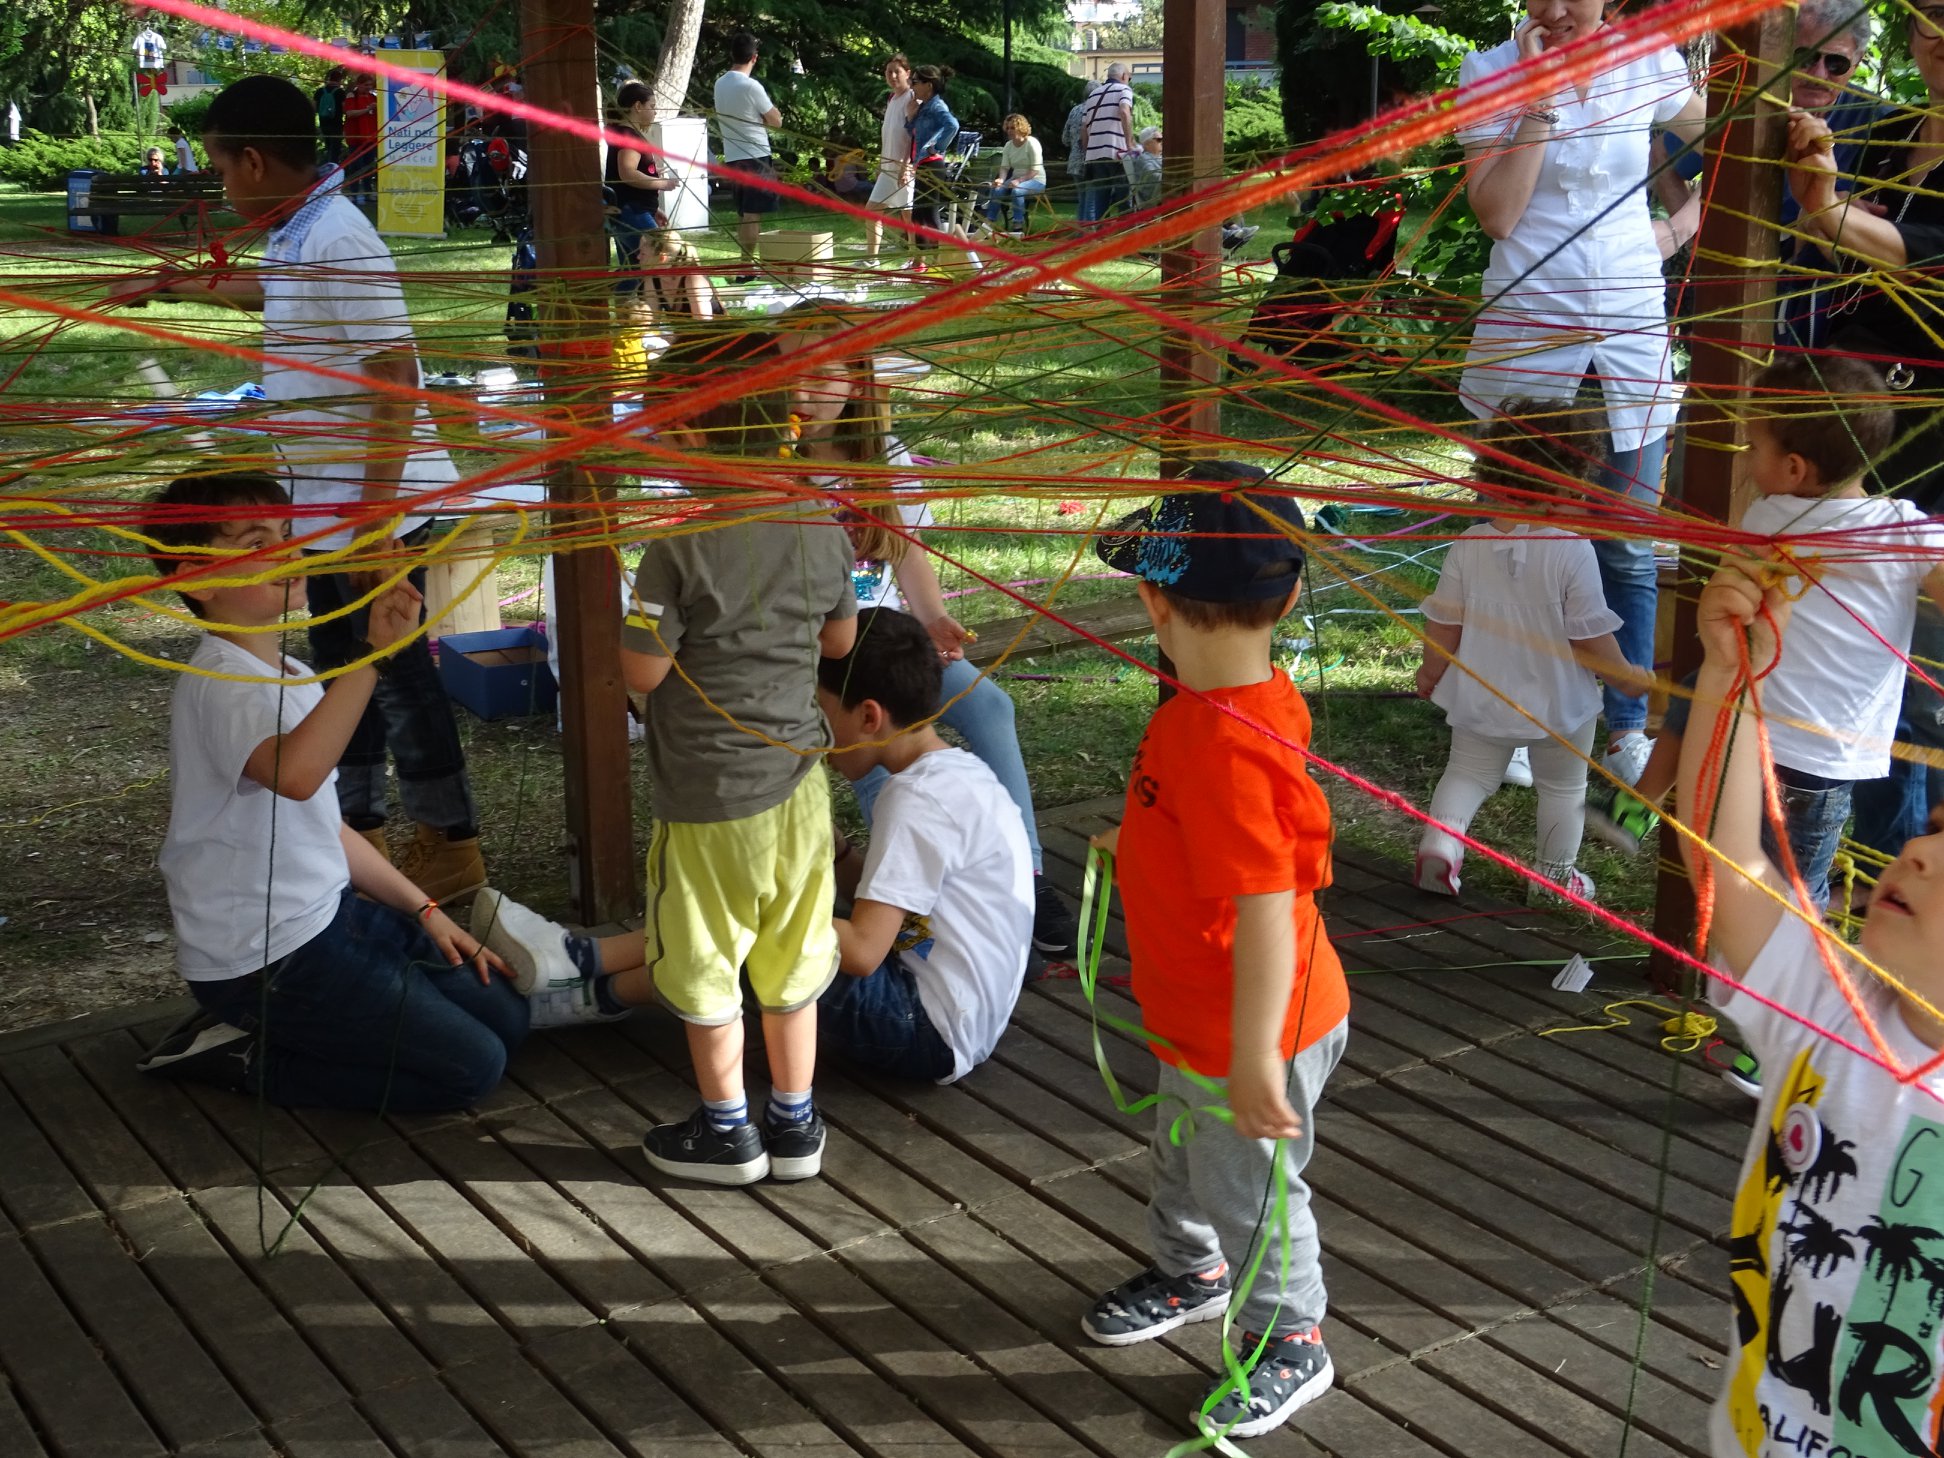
[1250,54]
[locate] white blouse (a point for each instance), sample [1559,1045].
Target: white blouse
[1578,283]
[1521,596]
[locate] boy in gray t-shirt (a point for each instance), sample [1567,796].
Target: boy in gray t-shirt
[725,628]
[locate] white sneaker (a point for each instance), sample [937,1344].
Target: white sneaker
[535,948]
[557,1007]
[1628,759]
[1519,770]
[1569,878]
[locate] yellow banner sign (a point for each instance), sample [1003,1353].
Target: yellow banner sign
[411,149]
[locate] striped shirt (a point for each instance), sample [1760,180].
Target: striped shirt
[1104,136]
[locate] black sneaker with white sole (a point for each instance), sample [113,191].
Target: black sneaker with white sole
[205,1048]
[697,1150]
[1287,1373]
[1056,931]
[1151,1305]
[795,1150]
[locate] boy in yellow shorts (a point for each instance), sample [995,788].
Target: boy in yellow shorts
[725,629]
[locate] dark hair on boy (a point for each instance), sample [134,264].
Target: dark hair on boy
[267,113]
[1547,439]
[632,93]
[1820,409]
[190,511]
[1208,617]
[894,662]
[742,48]
[754,424]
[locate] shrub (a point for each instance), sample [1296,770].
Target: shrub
[41,163]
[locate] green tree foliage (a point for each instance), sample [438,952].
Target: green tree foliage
[1141,32]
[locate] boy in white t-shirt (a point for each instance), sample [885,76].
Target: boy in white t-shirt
[941,914]
[356,448]
[1832,701]
[325,977]
[1836,1238]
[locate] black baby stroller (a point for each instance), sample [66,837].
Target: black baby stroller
[486,187]
[1318,272]
[522,327]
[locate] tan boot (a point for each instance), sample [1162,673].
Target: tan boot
[376,835]
[446,870]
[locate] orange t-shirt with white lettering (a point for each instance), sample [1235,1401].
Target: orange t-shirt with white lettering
[1217,808]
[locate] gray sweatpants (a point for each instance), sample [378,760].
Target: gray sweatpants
[1214,1198]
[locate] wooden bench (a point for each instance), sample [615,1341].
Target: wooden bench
[185,202]
[1113,620]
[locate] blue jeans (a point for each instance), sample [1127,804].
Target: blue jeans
[1897,807]
[409,717]
[368,1015]
[1628,578]
[1103,188]
[878,1022]
[1816,810]
[628,229]
[984,720]
[1021,193]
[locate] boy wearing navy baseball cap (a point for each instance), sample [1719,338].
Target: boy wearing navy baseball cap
[1222,847]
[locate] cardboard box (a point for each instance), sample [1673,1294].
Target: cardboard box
[500,675]
[790,256]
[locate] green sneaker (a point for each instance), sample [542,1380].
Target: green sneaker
[1619,819]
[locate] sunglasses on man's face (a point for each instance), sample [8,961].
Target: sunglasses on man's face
[1833,64]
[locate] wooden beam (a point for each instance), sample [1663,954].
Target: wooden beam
[1734,307]
[1191,267]
[570,236]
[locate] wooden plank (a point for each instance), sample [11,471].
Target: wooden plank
[1344,1426]
[414,1289]
[1688,1362]
[271,1365]
[625,1398]
[359,1342]
[1543,1407]
[565,1241]
[450,1236]
[111,1164]
[1037,635]
[421,1419]
[332,1432]
[36,1186]
[176,1133]
[524,1411]
[1446,1418]
[1678,1418]
[16,1433]
[58,1373]
[165,1011]
[187,1397]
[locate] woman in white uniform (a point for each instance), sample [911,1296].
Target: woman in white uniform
[1574,286]
[891,192]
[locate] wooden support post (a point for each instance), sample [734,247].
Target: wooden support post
[1734,308]
[570,236]
[1191,268]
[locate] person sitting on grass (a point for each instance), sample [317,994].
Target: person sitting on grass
[934,949]
[324,977]
[1817,424]
[1225,840]
[1519,612]
[1842,1354]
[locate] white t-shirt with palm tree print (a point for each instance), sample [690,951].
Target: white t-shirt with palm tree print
[1836,1246]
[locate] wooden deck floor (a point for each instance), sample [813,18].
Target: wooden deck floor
[514,1281]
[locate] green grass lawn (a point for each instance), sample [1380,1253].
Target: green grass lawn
[1045,399]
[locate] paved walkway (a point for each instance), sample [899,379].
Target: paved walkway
[514,1281]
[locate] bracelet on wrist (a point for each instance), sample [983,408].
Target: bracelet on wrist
[1542,114]
[430,905]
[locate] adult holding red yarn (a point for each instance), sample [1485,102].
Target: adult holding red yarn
[1574,287]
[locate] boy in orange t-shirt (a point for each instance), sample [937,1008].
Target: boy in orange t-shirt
[1223,844]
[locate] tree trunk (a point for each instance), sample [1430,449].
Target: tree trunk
[681,32]
[94,117]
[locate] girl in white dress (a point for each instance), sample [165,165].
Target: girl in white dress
[1514,635]
[1574,287]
